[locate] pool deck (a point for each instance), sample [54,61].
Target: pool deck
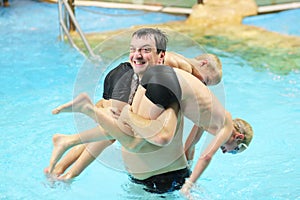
[278,7]
[174,10]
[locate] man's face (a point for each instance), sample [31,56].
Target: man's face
[143,54]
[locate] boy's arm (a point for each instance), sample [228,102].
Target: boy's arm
[221,137]
[175,60]
[191,142]
[159,131]
[178,61]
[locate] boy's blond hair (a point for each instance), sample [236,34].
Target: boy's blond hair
[244,128]
[214,66]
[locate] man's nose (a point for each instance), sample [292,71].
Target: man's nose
[137,54]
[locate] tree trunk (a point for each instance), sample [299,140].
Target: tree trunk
[71,24]
[5,3]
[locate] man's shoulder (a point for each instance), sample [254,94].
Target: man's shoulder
[120,70]
[125,66]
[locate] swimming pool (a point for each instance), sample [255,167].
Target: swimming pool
[38,73]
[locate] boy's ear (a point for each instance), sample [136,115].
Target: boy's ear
[203,62]
[239,136]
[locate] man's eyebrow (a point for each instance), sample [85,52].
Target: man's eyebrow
[146,45]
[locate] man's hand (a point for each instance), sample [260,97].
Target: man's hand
[115,112]
[122,120]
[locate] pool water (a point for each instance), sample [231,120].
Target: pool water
[283,22]
[38,72]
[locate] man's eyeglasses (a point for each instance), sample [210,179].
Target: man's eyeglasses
[141,50]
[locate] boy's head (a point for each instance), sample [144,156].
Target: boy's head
[240,139]
[210,69]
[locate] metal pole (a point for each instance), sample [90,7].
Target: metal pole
[60,20]
[68,35]
[71,15]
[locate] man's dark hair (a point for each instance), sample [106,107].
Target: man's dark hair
[160,37]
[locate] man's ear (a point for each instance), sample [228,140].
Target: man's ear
[161,57]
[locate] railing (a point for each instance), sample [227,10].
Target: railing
[65,13]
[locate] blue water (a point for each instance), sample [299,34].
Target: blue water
[38,72]
[286,22]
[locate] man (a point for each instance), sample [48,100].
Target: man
[197,103]
[146,49]
[206,67]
